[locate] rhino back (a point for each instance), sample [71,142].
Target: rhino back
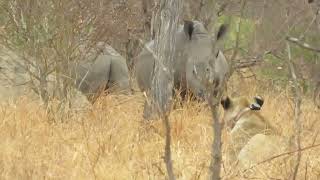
[119,75]
[90,76]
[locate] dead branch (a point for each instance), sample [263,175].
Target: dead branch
[252,61]
[281,155]
[302,44]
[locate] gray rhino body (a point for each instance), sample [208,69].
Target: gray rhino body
[106,70]
[192,65]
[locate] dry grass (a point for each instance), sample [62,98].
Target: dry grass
[112,141]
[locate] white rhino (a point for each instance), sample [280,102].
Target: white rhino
[102,71]
[15,81]
[196,53]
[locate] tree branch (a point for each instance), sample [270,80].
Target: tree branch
[302,44]
[250,61]
[281,155]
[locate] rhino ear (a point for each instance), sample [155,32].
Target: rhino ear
[226,102]
[222,31]
[188,28]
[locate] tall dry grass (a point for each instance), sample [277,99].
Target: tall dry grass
[113,142]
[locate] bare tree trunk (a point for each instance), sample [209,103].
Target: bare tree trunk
[297,112]
[162,83]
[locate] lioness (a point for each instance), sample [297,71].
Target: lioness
[253,137]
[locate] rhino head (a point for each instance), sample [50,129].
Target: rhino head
[206,66]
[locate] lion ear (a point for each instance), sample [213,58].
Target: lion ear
[226,102]
[255,107]
[259,100]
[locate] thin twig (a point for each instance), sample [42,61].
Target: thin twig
[167,157]
[217,125]
[306,170]
[82,80]
[281,155]
[297,111]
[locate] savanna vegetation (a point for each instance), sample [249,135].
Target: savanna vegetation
[50,139]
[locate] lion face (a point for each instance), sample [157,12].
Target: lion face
[235,108]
